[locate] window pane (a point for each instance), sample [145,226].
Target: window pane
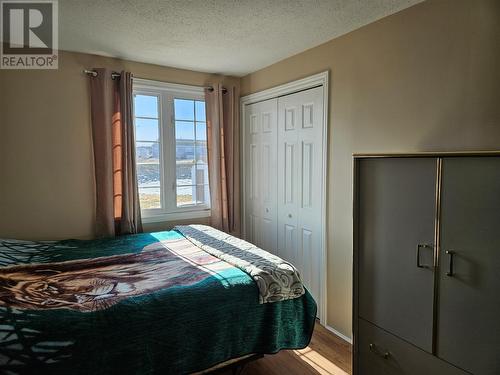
[184,173]
[201,131]
[146,130]
[146,106]
[149,198]
[201,174]
[148,175]
[184,150]
[202,194]
[147,152]
[148,149]
[184,131]
[201,152]
[200,111]
[184,109]
[184,195]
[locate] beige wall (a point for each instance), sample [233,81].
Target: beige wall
[46,165]
[425,79]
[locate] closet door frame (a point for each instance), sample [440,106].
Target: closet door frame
[317,80]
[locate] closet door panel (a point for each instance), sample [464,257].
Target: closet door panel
[310,170]
[260,174]
[251,149]
[288,114]
[268,170]
[252,155]
[397,213]
[300,165]
[469,282]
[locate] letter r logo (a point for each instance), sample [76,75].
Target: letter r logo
[27,27]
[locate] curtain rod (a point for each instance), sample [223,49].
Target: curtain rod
[211,88]
[93,73]
[114,75]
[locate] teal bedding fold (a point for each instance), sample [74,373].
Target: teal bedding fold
[139,304]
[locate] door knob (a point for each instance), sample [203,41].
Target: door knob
[375,350]
[450,264]
[289,215]
[419,246]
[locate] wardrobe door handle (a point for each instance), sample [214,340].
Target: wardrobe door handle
[374,349]
[420,245]
[450,264]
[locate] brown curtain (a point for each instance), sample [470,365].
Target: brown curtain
[117,199]
[224,157]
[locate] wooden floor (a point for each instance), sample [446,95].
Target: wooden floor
[327,354]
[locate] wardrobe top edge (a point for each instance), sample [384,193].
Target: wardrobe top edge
[425,154]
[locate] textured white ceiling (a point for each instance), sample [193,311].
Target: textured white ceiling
[232,37]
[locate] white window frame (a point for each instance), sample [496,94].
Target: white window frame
[166,92]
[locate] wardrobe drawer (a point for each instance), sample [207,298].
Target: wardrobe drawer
[380,353]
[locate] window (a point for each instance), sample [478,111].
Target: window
[190,152]
[171,150]
[147,135]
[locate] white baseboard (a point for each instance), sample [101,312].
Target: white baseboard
[337,333]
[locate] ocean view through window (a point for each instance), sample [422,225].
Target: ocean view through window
[171,150]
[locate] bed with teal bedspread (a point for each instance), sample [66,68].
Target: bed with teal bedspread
[138,304]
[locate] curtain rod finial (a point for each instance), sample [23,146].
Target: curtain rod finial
[92,73]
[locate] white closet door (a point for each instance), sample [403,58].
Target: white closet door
[261,174]
[300,166]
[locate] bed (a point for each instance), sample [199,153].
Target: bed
[151,303]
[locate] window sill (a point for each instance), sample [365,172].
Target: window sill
[148,218]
